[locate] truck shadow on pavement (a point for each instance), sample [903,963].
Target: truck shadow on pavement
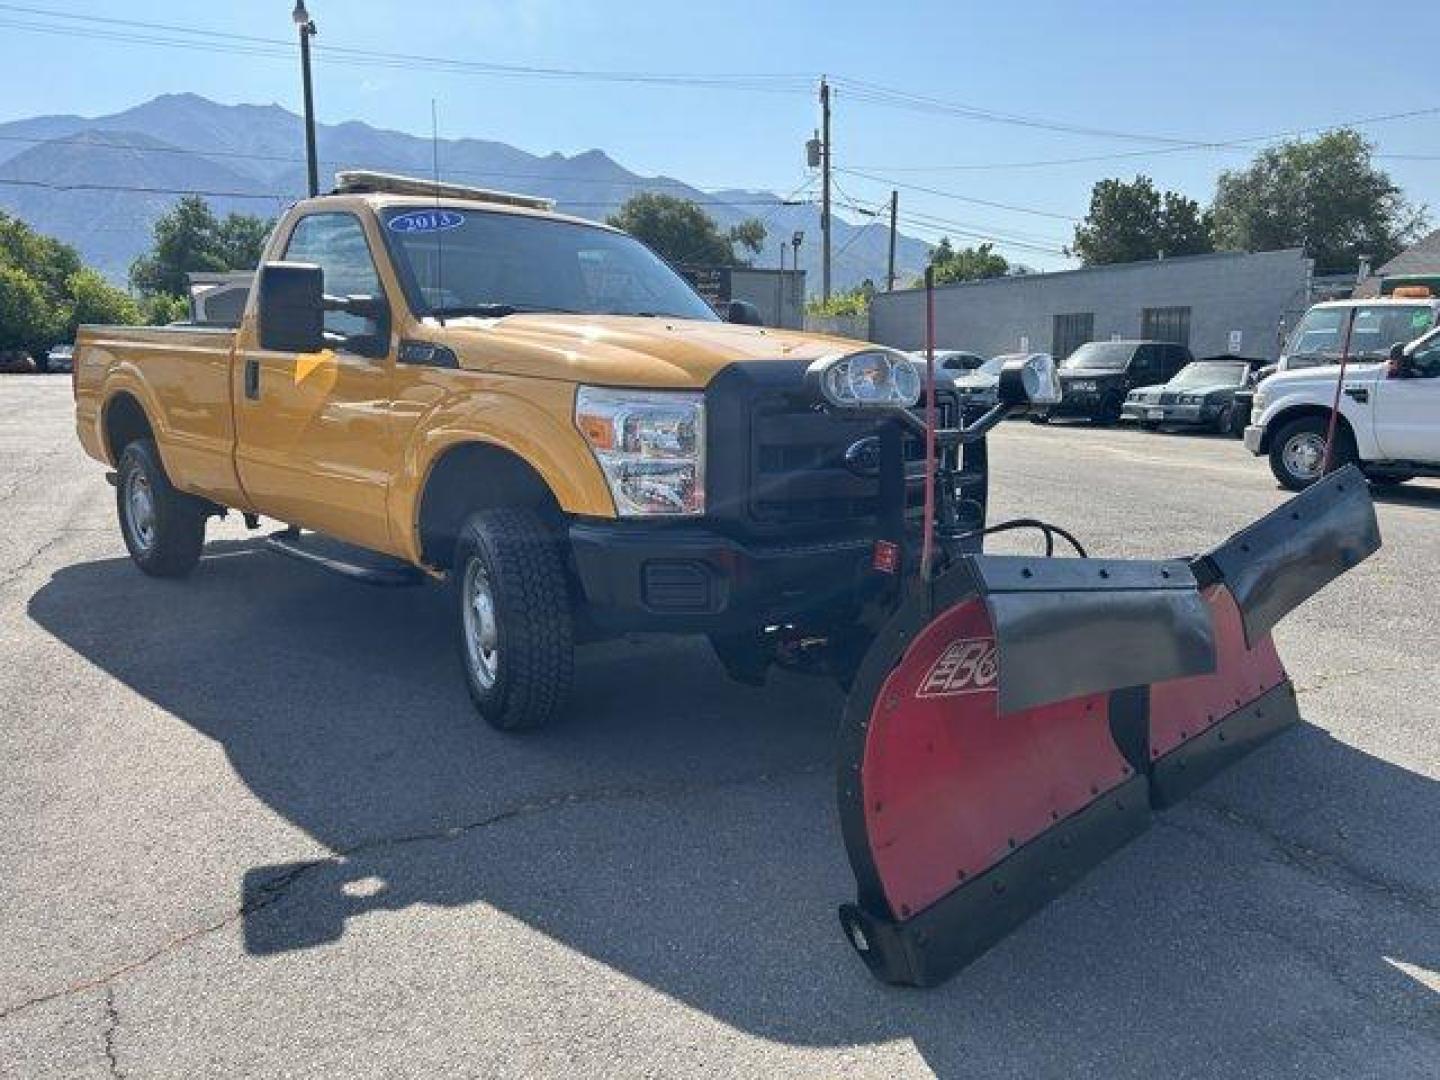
[681,830]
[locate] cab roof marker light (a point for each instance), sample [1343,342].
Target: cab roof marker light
[364,182]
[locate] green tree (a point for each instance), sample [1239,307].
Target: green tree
[163,308]
[28,323]
[965,264]
[853,302]
[95,300]
[47,261]
[1130,221]
[680,231]
[190,238]
[240,240]
[1323,195]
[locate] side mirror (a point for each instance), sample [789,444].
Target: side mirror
[292,307]
[1400,365]
[744,313]
[1029,380]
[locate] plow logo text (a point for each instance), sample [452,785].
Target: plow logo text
[967,666]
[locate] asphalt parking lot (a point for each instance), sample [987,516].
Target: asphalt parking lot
[250,826]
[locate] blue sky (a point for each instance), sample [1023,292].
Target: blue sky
[1180,71]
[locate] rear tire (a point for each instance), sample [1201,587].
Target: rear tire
[164,529]
[513,619]
[1298,450]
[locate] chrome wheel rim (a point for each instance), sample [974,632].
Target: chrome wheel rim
[140,510]
[1304,454]
[482,634]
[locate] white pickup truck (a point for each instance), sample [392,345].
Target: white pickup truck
[1389,421]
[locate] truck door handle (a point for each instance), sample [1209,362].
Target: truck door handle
[252,379]
[1358,393]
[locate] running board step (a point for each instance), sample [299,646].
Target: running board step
[344,559]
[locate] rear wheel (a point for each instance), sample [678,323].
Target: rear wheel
[164,529]
[1297,453]
[515,630]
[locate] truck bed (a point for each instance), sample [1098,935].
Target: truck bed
[181,375]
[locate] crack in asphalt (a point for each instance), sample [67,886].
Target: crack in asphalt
[1326,679]
[1310,860]
[112,1027]
[37,467]
[275,889]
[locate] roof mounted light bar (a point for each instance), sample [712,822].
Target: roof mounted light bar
[363,181]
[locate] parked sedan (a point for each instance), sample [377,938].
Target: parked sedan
[956,361]
[1201,395]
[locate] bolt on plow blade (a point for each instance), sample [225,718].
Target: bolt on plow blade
[1016,722]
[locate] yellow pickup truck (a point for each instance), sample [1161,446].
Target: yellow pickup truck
[437,382]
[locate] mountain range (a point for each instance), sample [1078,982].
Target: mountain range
[99,183]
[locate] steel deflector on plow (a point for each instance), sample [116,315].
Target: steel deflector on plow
[1019,721]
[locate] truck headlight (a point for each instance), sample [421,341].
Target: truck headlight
[650,445]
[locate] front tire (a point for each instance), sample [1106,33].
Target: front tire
[1297,452]
[1225,422]
[164,529]
[515,630]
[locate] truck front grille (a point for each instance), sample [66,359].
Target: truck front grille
[776,465]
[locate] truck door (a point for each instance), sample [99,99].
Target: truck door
[313,445]
[1407,410]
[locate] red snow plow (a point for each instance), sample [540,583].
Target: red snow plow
[1016,719]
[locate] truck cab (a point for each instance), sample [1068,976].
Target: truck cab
[1361,330]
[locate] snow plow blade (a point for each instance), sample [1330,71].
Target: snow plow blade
[1018,721]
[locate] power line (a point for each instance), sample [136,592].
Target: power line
[638,182]
[958,197]
[282,197]
[1243,144]
[873,93]
[130,30]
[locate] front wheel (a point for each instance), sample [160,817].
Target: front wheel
[1225,421]
[515,630]
[1297,453]
[164,529]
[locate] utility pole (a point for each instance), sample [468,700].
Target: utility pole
[825,159]
[894,216]
[780,289]
[306,26]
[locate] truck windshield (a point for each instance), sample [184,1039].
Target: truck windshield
[456,261]
[1321,334]
[1208,374]
[1100,356]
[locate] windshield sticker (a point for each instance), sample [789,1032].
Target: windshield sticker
[418,221]
[1420,320]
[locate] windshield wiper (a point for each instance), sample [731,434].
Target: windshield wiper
[493,311]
